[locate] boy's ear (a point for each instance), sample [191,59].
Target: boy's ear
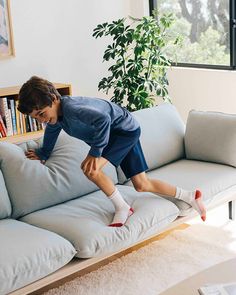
[54,97]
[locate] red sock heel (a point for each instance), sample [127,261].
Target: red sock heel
[119,224]
[198,194]
[200,206]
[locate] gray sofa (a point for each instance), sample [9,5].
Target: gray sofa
[52,216]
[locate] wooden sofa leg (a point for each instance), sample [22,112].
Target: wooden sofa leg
[231,205]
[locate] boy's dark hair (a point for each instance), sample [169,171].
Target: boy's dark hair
[36,94]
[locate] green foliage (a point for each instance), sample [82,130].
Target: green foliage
[206,35]
[139,63]
[206,51]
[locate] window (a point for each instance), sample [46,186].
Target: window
[208,29]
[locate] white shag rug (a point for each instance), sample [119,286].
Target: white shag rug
[159,265]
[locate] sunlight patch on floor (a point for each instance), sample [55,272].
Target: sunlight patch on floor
[219,217]
[216,217]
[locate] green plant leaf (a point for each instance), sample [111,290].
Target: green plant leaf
[137,59]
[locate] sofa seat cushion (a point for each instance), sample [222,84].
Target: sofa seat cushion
[84,221]
[28,253]
[5,204]
[210,178]
[32,186]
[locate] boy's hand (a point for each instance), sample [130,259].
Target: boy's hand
[89,164]
[30,154]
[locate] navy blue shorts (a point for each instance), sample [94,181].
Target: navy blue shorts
[124,150]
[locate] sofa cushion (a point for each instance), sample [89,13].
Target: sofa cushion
[84,221]
[28,253]
[162,136]
[32,186]
[5,205]
[211,136]
[210,178]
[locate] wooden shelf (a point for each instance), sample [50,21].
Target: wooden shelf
[64,89]
[19,138]
[12,92]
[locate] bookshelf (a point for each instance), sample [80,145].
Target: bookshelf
[12,93]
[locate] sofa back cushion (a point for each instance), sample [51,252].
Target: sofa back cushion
[5,205]
[33,186]
[211,137]
[162,134]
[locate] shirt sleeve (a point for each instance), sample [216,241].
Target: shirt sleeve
[49,140]
[101,122]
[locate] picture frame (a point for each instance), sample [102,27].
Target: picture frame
[6,36]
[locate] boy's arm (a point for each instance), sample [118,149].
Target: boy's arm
[50,137]
[101,123]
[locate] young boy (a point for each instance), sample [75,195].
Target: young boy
[112,134]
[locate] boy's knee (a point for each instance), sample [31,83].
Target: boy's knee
[141,187]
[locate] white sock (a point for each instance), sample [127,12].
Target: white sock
[122,209]
[194,199]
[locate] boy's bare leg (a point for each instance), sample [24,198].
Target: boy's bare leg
[144,184]
[122,209]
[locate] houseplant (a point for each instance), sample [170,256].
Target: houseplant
[138,73]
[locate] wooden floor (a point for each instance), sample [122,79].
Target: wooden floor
[107,260]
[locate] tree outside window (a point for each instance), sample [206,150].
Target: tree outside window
[205,29]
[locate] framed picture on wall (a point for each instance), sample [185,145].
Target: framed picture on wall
[6,38]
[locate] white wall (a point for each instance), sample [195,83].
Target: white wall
[202,89]
[53,39]
[139,8]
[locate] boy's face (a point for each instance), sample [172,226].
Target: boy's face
[47,114]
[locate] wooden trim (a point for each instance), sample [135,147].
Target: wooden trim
[10,29]
[20,138]
[14,90]
[10,40]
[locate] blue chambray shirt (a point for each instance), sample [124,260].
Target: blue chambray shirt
[89,119]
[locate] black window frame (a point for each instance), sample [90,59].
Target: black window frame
[232,32]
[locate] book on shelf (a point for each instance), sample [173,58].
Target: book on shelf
[30,124]
[24,122]
[3,130]
[21,123]
[35,128]
[27,123]
[13,115]
[218,289]
[10,124]
[18,125]
[6,115]
[39,125]
[2,113]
